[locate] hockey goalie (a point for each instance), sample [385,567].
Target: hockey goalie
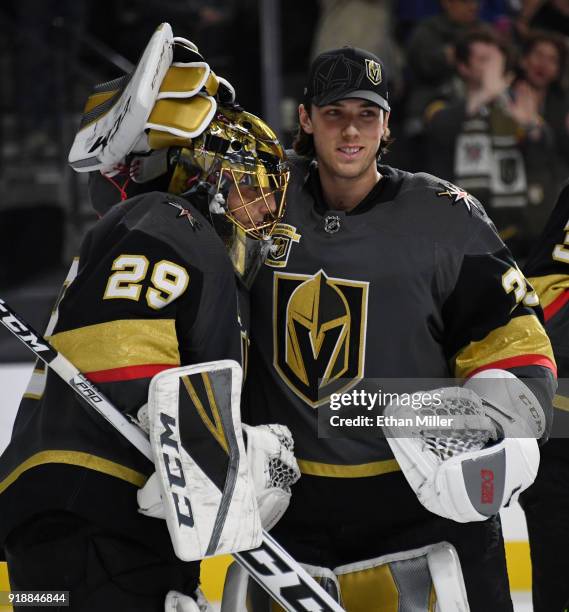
[150,314]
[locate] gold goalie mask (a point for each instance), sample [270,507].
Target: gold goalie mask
[173,124]
[236,168]
[239,162]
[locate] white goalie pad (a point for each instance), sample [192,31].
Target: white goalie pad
[460,472]
[448,581]
[205,483]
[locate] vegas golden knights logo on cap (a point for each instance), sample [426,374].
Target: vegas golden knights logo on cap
[373,71]
[319,333]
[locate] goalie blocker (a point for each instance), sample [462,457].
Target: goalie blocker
[215,497]
[201,467]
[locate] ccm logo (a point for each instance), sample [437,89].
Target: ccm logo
[173,463]
[487,486]
[18,328]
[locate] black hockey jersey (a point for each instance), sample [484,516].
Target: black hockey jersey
[154,289]
[547,270]
[413,283]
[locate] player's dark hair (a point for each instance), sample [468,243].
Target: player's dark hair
[303,143]
[483,34]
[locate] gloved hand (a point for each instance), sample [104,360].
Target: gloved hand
[273,468]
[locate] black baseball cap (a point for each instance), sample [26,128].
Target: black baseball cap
[348,72]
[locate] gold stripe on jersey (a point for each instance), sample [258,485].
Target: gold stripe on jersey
[91,462]
[549,287]
[119,344]
[362,470]
[521,342]
[561,403]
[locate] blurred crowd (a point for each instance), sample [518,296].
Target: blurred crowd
[478,88]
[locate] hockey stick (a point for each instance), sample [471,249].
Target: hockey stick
[285,580]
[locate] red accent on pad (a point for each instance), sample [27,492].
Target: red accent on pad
[127,373]
[487,486]
[518,362]
[556,305]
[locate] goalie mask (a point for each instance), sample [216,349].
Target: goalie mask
[239,163]
[173,125]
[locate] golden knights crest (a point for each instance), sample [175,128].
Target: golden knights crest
[319,326]
[283,237]
[373,71]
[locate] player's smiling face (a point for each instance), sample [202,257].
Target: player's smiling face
[347,136]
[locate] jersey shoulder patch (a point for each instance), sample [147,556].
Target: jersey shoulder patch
[442,194]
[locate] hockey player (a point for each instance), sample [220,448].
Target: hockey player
[153,289]
[379,273]
[546,503]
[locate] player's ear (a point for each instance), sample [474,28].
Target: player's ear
[304,119]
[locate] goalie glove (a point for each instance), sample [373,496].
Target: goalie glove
[468,471]
[273,468]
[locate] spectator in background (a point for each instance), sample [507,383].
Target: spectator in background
[430,55]
[494,143]
[550,15]
[500,13]
[368,24]
[411,12]
[543,71]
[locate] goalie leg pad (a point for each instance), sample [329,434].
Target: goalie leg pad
[205,483]
[411,581]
